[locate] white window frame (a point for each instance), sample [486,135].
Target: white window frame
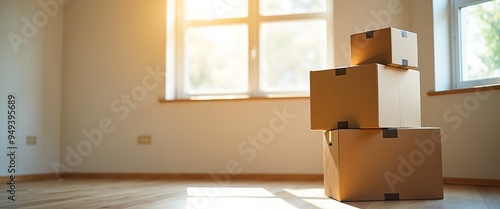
[176,27]
[457,71]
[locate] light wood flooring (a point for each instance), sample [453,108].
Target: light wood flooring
[192,194]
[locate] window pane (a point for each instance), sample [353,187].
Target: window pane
[480,36]
[284,7]
[216,59]
[289,50]
[215,9]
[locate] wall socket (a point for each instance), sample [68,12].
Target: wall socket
[31,140]
[144,139]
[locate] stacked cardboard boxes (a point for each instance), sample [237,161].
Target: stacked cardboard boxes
[374,147]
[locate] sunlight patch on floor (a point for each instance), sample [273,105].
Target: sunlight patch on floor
[307,193]
[248,197]
[329,203]
[241,203]
[228,192]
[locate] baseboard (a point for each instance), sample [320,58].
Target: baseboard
[472,182]
[270,177]
[215,177]
[220,177]
[27,178]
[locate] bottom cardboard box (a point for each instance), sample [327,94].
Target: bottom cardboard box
[383,164]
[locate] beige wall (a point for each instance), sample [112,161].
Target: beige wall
[356,16]
[106,55]
[469,120]
[112,50]
[108,46]
[31,69]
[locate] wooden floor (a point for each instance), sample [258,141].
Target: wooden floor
[206,194]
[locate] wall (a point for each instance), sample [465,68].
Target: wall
[356,16]
[111,50]
[31,69]
[109,45]
[469,120]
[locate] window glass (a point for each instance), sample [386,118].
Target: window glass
[283,7]
[480,41]
[215,9]
[216,59]
[288,51]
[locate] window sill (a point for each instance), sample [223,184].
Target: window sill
[233,99]
[466,90]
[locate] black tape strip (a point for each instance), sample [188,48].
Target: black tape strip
[369,34]
[391,196]
[343,125]
[404,63]
[341,71]
[390,133]
[404,34]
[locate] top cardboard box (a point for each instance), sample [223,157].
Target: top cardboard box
[388,46]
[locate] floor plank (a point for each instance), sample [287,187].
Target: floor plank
[197,194]
[458,197]
[490,195]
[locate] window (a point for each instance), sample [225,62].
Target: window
[477,42]
[246,48]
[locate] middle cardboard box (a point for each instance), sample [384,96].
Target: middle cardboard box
[364,96]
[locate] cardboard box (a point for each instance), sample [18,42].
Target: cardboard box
[388,46]
[365,96]
[383,164]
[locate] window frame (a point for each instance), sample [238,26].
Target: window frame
[177,26]
[457,71]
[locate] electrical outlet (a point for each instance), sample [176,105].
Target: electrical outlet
[144,139]
[31,140]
